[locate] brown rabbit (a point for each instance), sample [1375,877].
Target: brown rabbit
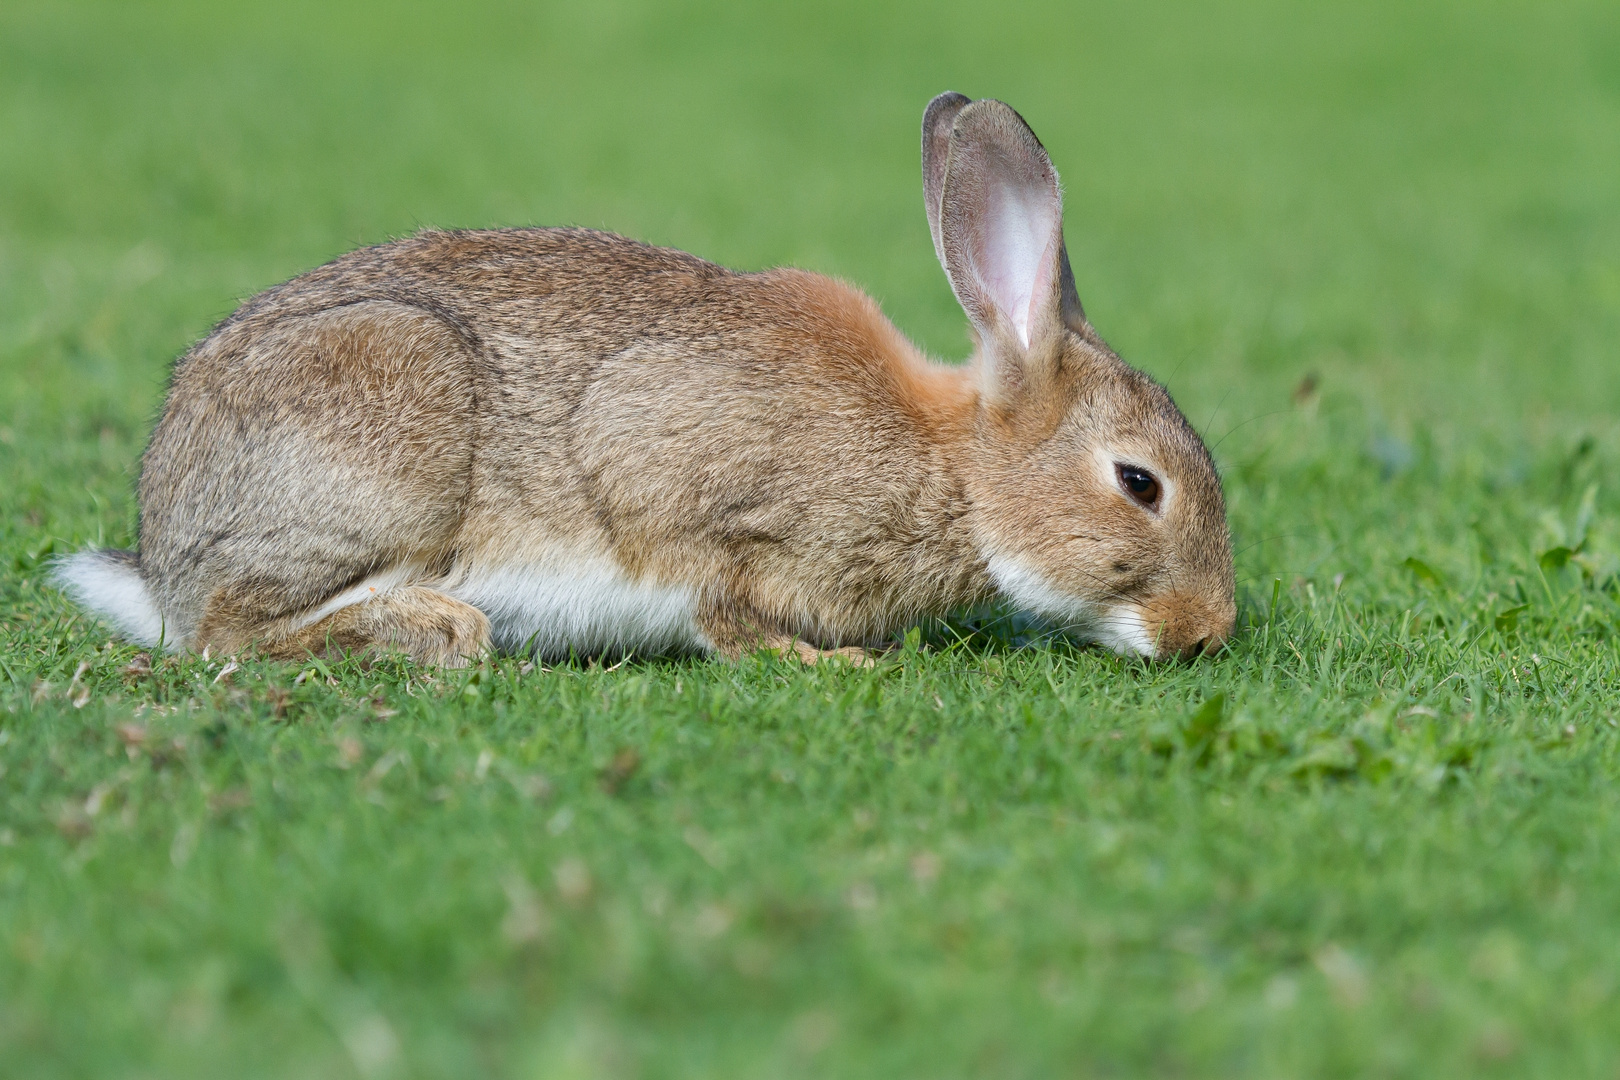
[558,439]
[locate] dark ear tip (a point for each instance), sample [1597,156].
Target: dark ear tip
[949,101]
[989,113]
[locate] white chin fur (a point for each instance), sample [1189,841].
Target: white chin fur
[1123,630]
[1118,627]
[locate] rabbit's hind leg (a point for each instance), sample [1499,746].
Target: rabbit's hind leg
[323,464]
[425,624]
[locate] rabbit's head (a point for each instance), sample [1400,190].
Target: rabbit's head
[1096,504]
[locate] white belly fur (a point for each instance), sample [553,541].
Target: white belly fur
[581,602]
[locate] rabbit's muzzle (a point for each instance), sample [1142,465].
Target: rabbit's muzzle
[1186,626]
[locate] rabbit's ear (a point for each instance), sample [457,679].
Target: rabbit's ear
[938,119]
[1000,239]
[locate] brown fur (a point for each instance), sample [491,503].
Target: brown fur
[769,441]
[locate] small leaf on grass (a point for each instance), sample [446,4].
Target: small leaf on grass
[1422,570]
[1327,756]
[1203,724]
[1583,517]
[1508,621]
[479,679]
[1554,559]
[1195,735]
[31,558]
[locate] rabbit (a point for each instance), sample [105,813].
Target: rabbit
[561,441]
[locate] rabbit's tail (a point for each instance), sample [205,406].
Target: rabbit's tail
[109,583]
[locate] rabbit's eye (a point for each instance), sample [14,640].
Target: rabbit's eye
[1141,484]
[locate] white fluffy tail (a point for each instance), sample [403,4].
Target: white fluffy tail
[109,583]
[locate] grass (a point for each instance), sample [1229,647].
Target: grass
[1371,247]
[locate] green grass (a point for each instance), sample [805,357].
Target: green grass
[1379,836]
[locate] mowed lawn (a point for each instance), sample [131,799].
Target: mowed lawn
[1373,249]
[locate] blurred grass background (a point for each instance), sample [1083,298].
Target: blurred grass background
[1411,207]
[1415,200]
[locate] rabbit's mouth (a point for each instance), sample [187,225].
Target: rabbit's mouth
[1119,626]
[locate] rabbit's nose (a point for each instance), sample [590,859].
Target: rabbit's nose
[1186,625]
[1197,648]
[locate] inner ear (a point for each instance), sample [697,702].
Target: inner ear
[1018,250]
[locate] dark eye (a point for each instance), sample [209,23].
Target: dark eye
[1142,485]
